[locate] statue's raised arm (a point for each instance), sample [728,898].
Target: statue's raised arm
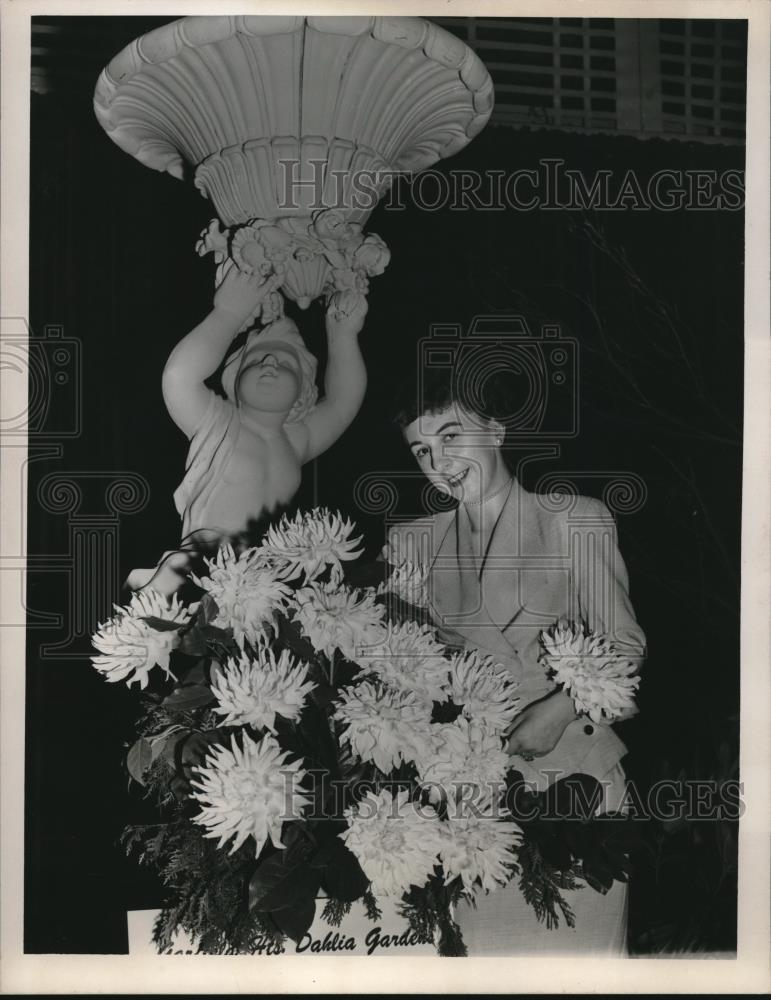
[345,381]
[200,353]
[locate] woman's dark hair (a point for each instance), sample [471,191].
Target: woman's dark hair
[432,390]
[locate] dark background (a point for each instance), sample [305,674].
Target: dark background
[112,263]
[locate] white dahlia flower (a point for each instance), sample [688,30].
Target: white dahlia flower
[254,692]
[408,658]
[395,841]
[478,849]
[246,591]
[463,754]
[384,726]
[600,680]
[409,582]
[130,647]
[484,689]
[152,604]
[248,790]
[333,617]
[308,543]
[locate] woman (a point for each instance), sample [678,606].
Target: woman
[503,565]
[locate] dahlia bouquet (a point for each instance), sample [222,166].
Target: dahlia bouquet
[308,741]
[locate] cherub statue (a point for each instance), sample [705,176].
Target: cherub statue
[246,450]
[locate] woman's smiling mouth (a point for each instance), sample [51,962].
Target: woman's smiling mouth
[457,479]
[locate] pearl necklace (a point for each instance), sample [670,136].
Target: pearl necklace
[490,496]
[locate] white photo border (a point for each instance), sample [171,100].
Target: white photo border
[120,974]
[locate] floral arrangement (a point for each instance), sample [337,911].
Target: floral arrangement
[331,745]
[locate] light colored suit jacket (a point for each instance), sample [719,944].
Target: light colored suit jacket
[550,556]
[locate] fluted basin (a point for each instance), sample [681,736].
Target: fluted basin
[283,117]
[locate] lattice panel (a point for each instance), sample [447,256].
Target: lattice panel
[702,65]
[646,77]
[549,71]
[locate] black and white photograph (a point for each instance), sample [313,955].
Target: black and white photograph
[385,496]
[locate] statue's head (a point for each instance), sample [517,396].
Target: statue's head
[273,372]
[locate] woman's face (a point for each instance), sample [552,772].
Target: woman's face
[271,381]
[458,451]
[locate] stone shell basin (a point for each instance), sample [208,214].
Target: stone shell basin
[294,127]
[277,114]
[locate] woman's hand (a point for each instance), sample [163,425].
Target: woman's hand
[539,727]
[345,314]
[241,295]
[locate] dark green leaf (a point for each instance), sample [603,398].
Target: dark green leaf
[322,695]
[445,711]
[160,624]
[186,751]
[316,734]
[621,867]
[576,796]
[599,879]
[327,802]
[615,858]
[343,878]
[597,868]
[194,748]
[345,671]
[581,839]
[291,636]
[213,633]
[372,574]
[186,698]
[302,847]
[138,759]
[301,882]
[525,805]
[323,856]
[295,920]
[167,746]
[193,643]
[197,674]
[180,789]
[288,736]
[277,884]
[552,846]
[297,845]
[207,610]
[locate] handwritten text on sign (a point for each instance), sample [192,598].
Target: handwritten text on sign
[356,935]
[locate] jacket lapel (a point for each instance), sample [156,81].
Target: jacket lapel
[461,601]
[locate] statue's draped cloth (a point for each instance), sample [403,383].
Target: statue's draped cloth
[210,449]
